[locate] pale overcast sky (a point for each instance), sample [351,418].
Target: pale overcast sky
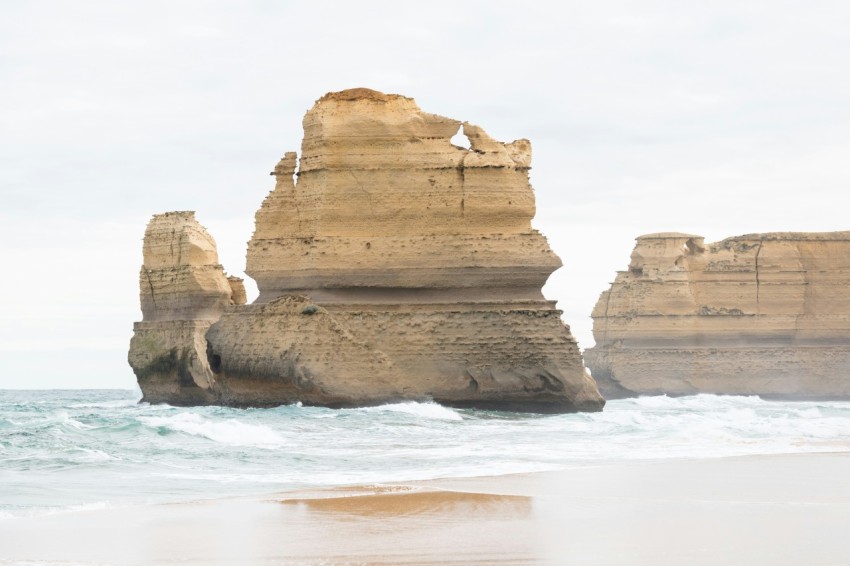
[715,118]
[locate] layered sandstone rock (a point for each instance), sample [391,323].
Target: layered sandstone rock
[398,266]
[386,208]
[183,291]
[765,314]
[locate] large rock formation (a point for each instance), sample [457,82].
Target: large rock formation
[764,314]
[386,209]
[399,266]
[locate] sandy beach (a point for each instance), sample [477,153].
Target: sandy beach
[783,509]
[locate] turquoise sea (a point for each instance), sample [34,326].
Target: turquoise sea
[62,451]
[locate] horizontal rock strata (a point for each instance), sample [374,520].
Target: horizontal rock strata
[384,201]
[183,292]
[393,265]
[764,314]
[489,355]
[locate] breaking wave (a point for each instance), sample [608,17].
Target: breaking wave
[71,449]
[230,431]
[421,410]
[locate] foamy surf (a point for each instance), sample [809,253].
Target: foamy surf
[54,510]
[65,449]
[420,410]
[230,431]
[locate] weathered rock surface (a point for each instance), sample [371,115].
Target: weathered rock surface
[183,291]
[385,202]
[398,267]
[764,314]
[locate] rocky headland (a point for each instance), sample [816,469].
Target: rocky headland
[391,265]
[760,314]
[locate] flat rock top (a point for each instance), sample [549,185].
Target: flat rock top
[796,236]
[352,94]
[666,235]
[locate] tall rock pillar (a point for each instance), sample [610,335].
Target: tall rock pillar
[183,290]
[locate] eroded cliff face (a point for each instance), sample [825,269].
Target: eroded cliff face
[386,205]
[764,314]
[183,290]
[397,267]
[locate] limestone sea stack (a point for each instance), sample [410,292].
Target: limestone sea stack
[391,265]
[183,291]
[761,314]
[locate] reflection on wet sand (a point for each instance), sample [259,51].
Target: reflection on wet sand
[781,510]
[405,501]
[414,524]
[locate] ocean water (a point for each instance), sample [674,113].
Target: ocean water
[62,451]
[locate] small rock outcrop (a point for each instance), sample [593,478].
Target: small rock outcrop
[761,314]
[391,265]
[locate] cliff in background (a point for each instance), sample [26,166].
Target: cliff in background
[398,267]
[765,314]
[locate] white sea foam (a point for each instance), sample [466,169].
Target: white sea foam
[355,477]
[231,431]
[58,455]
[93,506]
[64,418]
[46,511]
[93,455]
[423,410]
[106,404]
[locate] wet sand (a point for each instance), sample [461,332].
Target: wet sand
[777,510]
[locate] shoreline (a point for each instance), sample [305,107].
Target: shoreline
[761,509]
